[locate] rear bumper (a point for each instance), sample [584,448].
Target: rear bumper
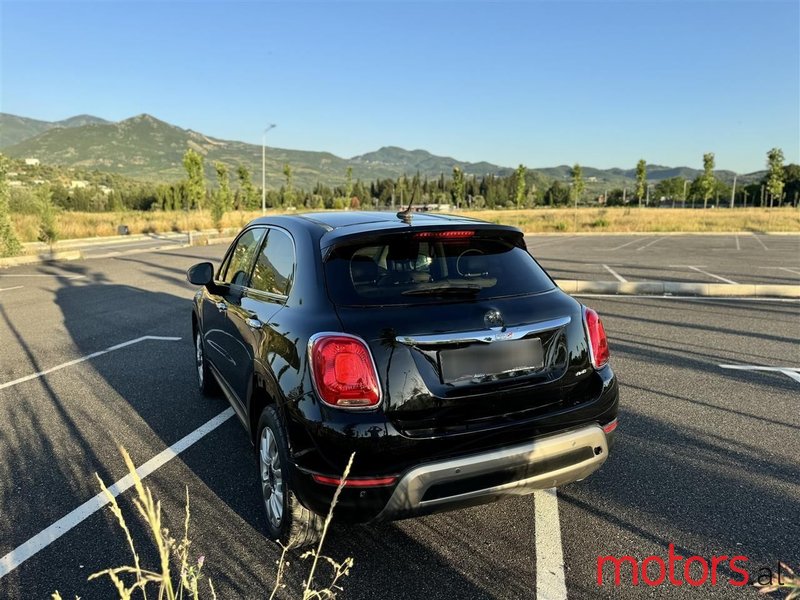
[545,462]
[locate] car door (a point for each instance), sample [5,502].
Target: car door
[266,296]
[227,347]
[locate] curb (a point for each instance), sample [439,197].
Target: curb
[670,288]
[654,233]
[32,259]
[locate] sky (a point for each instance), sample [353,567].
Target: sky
[599,83]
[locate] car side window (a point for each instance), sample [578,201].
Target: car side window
[237,270]
[275,266]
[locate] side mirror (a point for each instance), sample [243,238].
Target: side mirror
[201,273]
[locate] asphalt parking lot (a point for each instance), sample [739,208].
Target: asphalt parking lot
[98,354]
[714,258]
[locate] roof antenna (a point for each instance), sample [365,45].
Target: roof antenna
[405,215]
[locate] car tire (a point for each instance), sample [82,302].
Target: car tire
[205,380]
[288,521]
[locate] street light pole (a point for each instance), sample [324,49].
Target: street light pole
[264,168]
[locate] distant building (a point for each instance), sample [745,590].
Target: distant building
[14,183]
[591,179]
[105,189]
[78,184]
[32,162]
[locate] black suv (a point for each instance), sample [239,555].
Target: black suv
[434,347]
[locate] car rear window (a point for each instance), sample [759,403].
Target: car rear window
[426,266]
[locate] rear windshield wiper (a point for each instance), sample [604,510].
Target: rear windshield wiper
[436,290]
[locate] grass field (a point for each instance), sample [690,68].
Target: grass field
[545,220]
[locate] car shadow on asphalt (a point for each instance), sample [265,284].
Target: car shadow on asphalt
[152,392]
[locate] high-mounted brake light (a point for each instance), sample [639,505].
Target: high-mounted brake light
[598,343]
[444,235]
[356,482]
[344,372]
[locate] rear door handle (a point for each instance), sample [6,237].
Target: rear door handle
[222,307]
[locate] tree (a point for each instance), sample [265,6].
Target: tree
[348,186]
[457,189]
[221,199]
[641,180]
[671,188]
[791,175]
[577,182]
[519,192]
[247,190]
[48,229]
[196,180]
[288,193]
[558,193]
[708,183]
[775,175]
[9,243]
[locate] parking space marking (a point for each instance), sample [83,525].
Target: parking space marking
[738,247]
[16,287]
[550,582]
[699,270]
[650,244]
[763,245]
[626,244]
[42,275]
[47,536]
[788,371]
[9,384]
[615,274]
[789,270]
[547,243]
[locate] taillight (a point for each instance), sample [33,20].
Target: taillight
[598,344]
[359,482]
[344,372]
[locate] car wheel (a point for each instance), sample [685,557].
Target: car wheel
[205,382]
[288,521]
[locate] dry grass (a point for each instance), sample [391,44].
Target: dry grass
[184,581]
[625,220]
[73,225]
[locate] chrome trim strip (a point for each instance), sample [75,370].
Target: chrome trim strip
[485,336]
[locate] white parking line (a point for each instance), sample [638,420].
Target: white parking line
[788,371]
[550,582]
[789,270]
[650,244]
[46,537]
[42,275]
[547,243]
[16,287]
[8,384]
[760,242]
[615,274]
[626,244]
[699,270]
[738,247]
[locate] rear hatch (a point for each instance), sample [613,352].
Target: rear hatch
[466,329]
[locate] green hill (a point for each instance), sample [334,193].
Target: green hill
[14,129]
[147,148]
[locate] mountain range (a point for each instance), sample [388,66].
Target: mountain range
[145,147]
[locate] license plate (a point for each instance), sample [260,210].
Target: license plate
[481,360]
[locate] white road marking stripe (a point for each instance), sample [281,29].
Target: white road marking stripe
[738,247]
[788,371]
[87,357]
[626,244]
[615,274]
[547,243]
[650,244]
[16,287]
[694,298]
[790,270]
[550,583]
[46,537]
[42,275]
[760,242]
[699,270]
